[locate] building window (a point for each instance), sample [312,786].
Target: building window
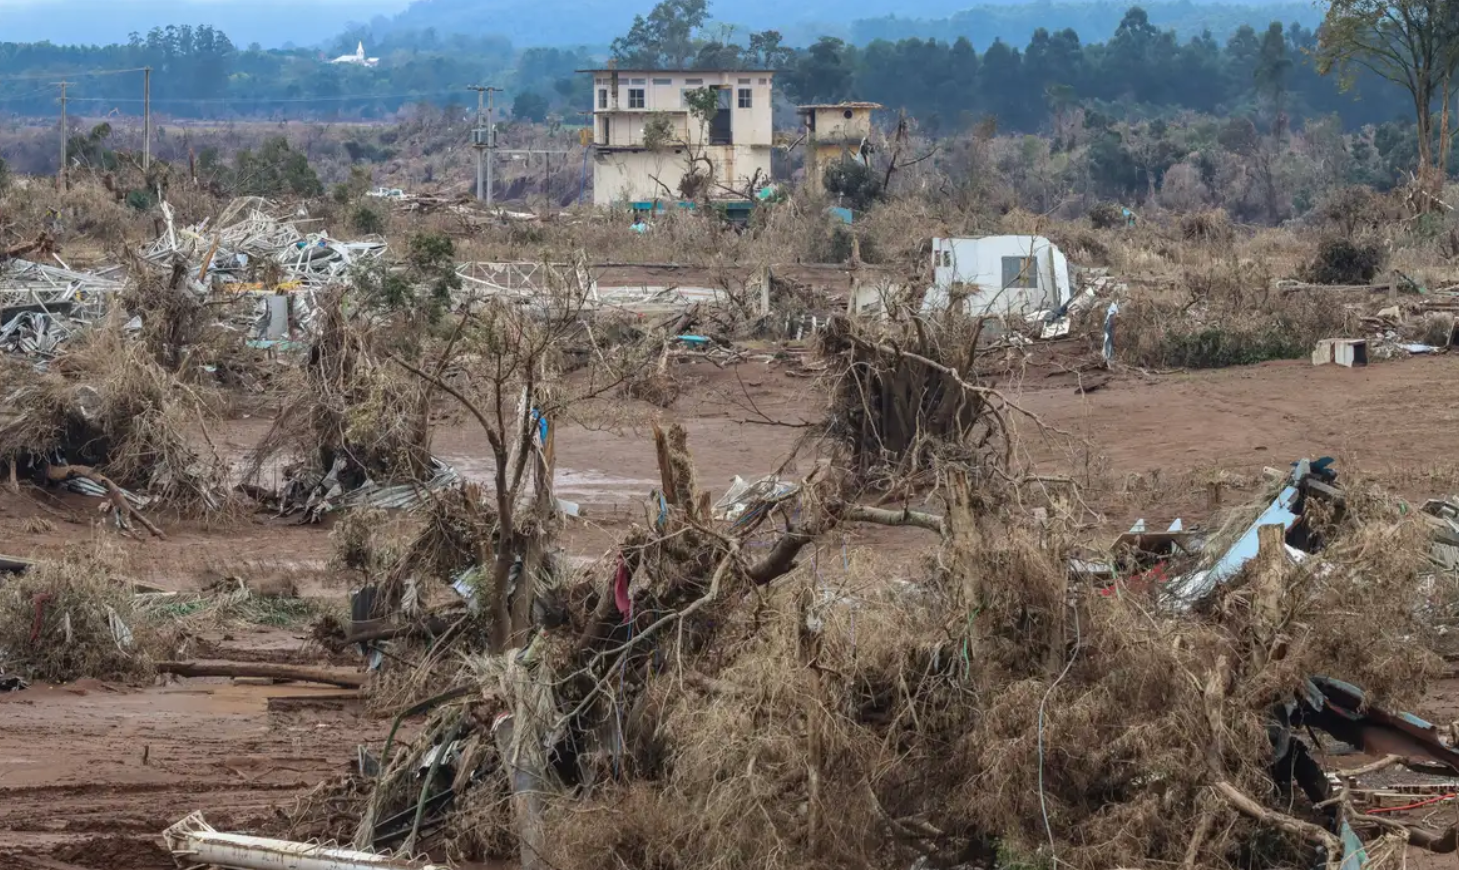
[663,81]
[602,98]
[744,81]
[764,81]
[693,81]
[635,98]
[636,81]
[746,101]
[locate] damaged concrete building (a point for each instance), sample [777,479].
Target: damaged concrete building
[649,145]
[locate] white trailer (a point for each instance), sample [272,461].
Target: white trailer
[999,275]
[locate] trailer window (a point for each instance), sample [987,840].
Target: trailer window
[1020,273]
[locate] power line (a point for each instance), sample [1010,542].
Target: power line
[69,75]
[27,96]
[237,100]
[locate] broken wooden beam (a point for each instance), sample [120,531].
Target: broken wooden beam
[259,669]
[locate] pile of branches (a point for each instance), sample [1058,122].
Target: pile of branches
[908,397]
[107,410]
[712,694]
[350,405]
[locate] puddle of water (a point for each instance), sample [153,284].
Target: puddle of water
[590,486]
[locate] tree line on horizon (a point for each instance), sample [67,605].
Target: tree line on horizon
[947,86]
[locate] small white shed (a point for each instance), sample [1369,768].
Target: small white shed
[999,275]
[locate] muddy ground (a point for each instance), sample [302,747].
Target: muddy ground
[90,773]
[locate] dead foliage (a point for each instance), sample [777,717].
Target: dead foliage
[77,616]
[1226,314]
[1212,226]
[905,400]
[987,711]
[350,404]
[108,404]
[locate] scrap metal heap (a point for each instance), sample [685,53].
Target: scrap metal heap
[239,249]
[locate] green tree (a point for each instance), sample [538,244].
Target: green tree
[357,186]
[274,170]
[767,52]
[823,73]
[431,258]
[1273,68]
[530,106]
[853,183]
[666,38]
[1412,43]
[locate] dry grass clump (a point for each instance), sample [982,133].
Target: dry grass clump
[77,616]
[1212,226]
[1228,314]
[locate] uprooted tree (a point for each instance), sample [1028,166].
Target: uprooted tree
[718,691]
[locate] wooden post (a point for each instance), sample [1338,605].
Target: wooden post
[1269,581]
[1271,541]
[1213,496]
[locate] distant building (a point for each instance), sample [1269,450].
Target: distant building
[735,142]
[835,131]
[358,58]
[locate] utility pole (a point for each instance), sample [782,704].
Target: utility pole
[146,119]
[483,140]
[490,139]
[61,170]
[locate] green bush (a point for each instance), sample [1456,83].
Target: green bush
[1340,261]
[141,200]
[367,221]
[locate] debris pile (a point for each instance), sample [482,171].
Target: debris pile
[77,616]
[355,426]
[1421,325]
[700,696]
[111,417]
[41,306]
[248,247]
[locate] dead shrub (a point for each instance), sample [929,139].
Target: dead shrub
[1341,261]
[655,385]
[77,616]
[1354,209]
[1106,216]
[351,403]
[1211,227]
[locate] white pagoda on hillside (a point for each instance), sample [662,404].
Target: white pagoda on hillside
[358,58]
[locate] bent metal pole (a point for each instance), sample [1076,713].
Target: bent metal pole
[194,839]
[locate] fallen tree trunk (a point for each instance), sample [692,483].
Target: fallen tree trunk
[40,243]
[251,669]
